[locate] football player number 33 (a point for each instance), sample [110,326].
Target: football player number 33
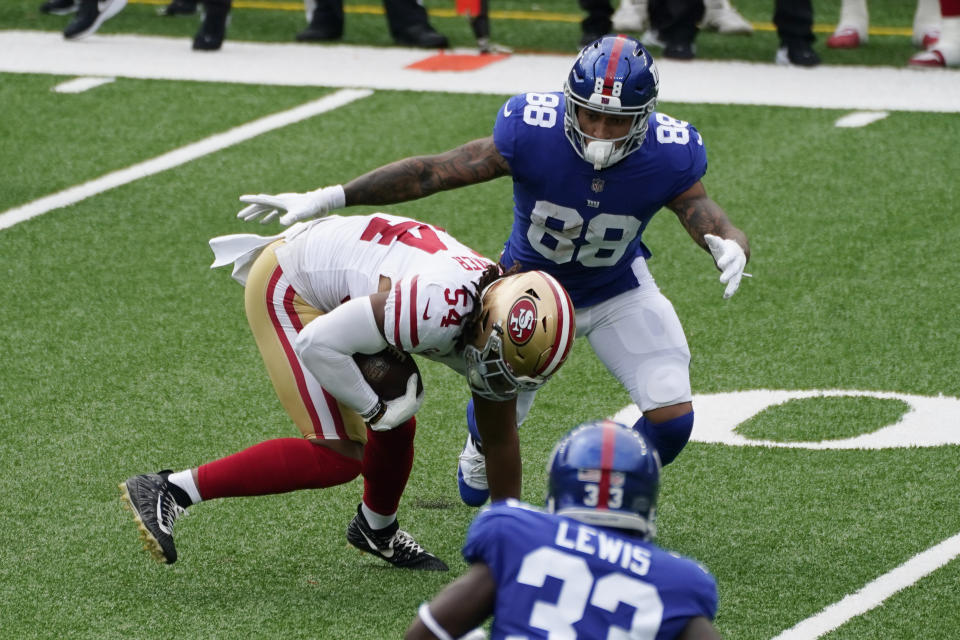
[579,590]
[554,228]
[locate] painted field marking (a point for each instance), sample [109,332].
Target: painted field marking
[456,61]
[180,156]
[81,84]
[874,593]
[930,421]
[860,119]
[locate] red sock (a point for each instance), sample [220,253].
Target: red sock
[387,460]
[275,466]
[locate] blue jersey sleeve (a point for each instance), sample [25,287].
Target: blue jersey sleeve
[687,589]
[490,533]
[509,118]
[680,149]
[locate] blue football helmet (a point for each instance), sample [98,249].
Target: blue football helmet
[604,473]
[613,75]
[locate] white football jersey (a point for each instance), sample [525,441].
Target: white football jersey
[431,274]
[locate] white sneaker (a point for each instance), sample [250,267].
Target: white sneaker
[720,16]
[926,37]
[651,38]
[938,56]
[631,15]
[472,475]
[848,36]
[927,24]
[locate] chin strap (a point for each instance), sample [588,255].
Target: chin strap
[599,153]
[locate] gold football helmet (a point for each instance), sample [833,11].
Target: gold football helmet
[526,329]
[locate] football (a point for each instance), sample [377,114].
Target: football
[387,372]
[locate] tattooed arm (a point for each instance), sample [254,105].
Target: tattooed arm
[700,215]
[403,180]
[420,176]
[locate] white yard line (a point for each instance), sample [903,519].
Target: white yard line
[180,156]
[874,593]
[860,119]
[81,84]
[930,421]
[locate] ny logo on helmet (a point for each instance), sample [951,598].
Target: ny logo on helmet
[522,320]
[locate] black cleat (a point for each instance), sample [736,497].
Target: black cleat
[90,15]
[679,50]
[393,545]
[320,33]
[423,36]
[213,29]
[58,7]
[179,8]
[154,509]
[798,53]
[588,37]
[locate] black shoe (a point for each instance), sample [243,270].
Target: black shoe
[90,15]
[797,53]
[179,8]
[58,7]
[212,31]
[587,38]
[393,545]
[679,50]
[422,36]
[320,33]
[154,508]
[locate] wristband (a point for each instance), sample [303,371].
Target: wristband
[373,416]
[335,196]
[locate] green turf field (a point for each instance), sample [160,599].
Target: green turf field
[122,353]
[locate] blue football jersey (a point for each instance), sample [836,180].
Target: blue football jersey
[581,225]
[555,574]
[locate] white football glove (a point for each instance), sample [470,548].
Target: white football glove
[730,259]
[298,206]
[399,410]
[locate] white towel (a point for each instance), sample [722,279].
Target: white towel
[241,249]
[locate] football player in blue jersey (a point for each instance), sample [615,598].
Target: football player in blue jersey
[585,568]
[591,165]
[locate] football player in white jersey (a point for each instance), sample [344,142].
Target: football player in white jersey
[323,291]
[591,166]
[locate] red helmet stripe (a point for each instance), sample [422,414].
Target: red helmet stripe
[565,331]
[612,65]
[606,463]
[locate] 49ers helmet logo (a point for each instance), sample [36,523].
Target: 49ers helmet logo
[522,321]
